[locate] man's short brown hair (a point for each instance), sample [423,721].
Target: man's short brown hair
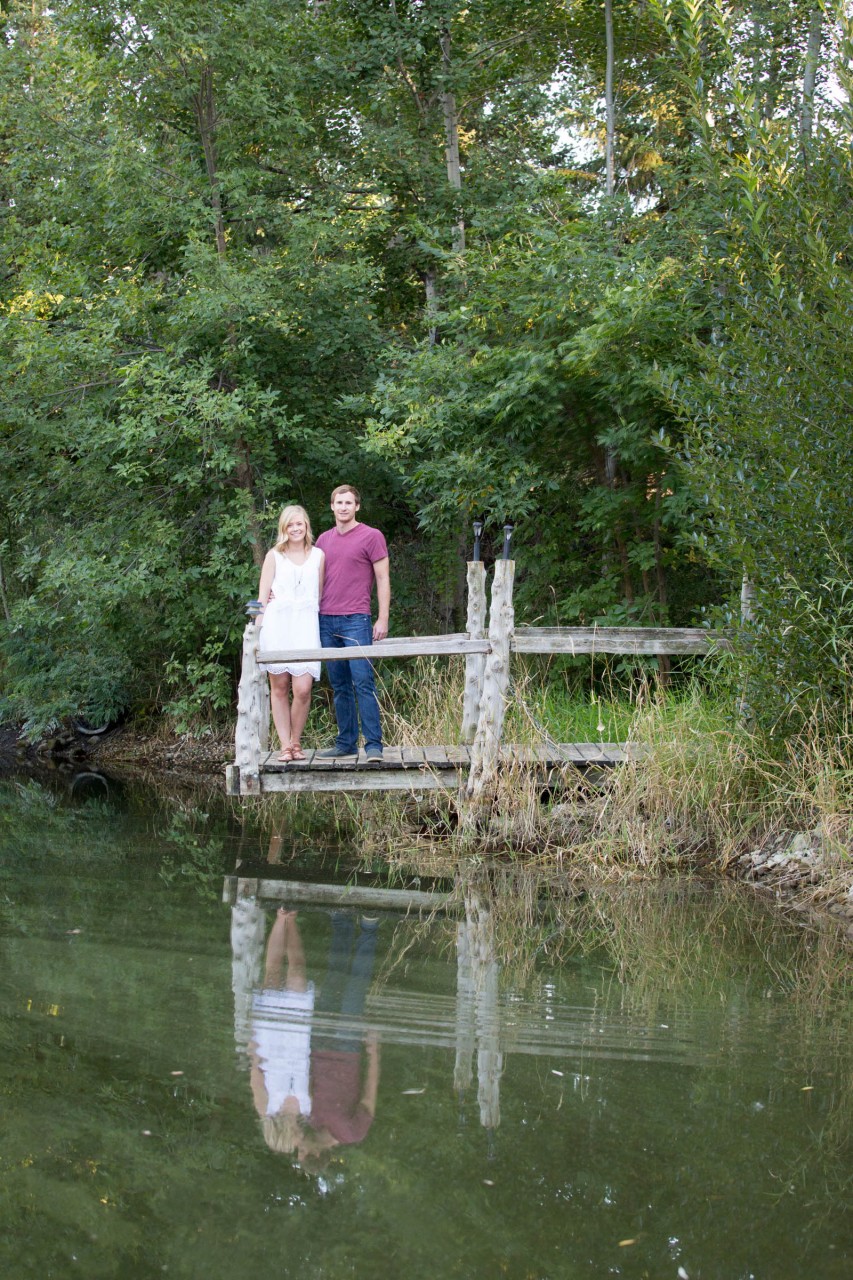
[346,488]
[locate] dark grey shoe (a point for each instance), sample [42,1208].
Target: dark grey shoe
[335,753]
[374,755]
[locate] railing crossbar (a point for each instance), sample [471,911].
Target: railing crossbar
[615,640]
[405,647]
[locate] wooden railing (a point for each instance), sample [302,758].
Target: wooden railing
[487,651]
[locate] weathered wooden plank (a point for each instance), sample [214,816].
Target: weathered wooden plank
[548,753]
[406,647]
[342,764]
[560,753]
[370,779]
[540,754]
[418,768]
[446,637]
[328,763]
[616,640]
[272,762]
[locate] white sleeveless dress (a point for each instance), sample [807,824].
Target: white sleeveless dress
[291,618]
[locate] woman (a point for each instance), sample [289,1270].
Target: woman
[280,1047]
[291,582]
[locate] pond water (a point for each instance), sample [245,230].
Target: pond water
[659,1087]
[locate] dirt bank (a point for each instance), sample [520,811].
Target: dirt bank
[122,750]
[129,748]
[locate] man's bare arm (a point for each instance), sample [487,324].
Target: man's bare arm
[382,570]
[371,1079]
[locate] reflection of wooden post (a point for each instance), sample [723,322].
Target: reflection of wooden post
[477,1008]
[475,662]
[465,1033]
[252,715]
[248,924]
[485,753]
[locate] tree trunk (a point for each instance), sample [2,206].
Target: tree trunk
[451,139]
[204,103]
[205,113]
[431,295]
[610,458]
[6,614]
[609,107]
[810,74]
[622,551]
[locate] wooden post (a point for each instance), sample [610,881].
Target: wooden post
[747,598]
[485,752]
[264,696]
[747,615]
[252,715]
[475,663]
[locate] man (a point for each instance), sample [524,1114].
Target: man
[356,557]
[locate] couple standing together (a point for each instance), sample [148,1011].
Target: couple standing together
[317,595]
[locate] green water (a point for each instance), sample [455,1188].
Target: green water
[664,1092]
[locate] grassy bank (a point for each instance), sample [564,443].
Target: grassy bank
[707,787]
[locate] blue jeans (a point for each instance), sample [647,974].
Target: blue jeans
[341,997]
[353,686]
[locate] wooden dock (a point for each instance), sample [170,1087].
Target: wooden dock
[421,768]
[472,766]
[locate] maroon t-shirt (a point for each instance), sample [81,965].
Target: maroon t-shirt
[350,558]
[336,1095]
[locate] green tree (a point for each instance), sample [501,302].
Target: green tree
[174,364]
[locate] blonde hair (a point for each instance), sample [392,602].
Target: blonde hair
[288,514]
[282,1132]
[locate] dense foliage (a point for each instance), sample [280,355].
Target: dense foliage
[254,250]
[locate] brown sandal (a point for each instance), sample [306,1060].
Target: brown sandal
[296,752]
[285,756]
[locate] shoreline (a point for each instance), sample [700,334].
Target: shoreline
[800,870]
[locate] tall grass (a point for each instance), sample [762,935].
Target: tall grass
[702,784]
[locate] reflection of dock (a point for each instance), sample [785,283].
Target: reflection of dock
[478,1021]
[420,768]
[345,896]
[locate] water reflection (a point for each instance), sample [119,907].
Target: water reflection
[310,1031]
[477,1012]
[314,1061]
[662,1077]
[89,784]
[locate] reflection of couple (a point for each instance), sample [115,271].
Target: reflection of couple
[307,1084]
[315,595]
